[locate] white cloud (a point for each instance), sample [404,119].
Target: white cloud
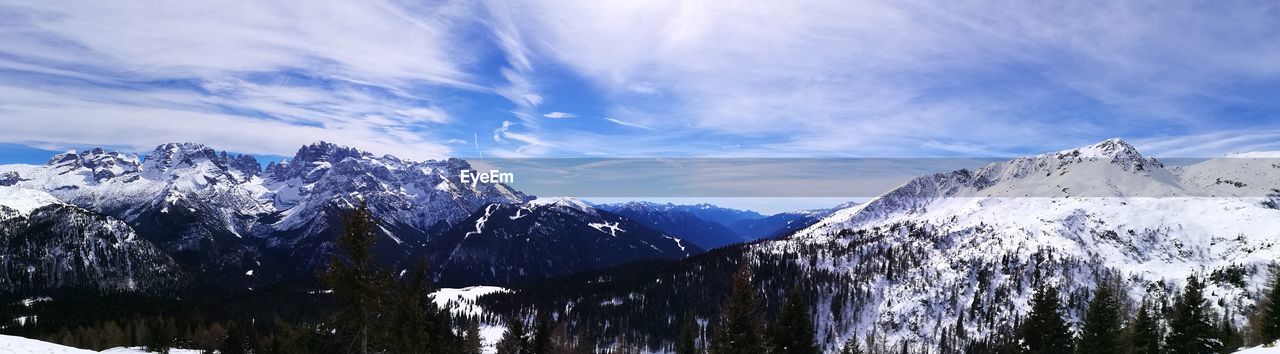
[559,115]
[626,123]
[855,77]
[243,76]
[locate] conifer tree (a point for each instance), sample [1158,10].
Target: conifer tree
[793,333]
[1101,330]
[741,327]
[851,347]
[687,342]
[513,341]
[1227,333]
[1267,319]
[1144,333]
[358,285]
[416,325]
[1190,331]
[541,333]
[1044,331]
[471,344]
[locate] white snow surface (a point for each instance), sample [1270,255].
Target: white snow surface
[25,200]
[1272,349]
[563,202]
[20,345]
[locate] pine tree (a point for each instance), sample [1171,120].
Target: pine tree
[851,347]
[741,327]
[513,341]
[1144,333]
[1267,319]
[160,339]
[1044,331]
[234,343]
[1190,331]
[1227,333]
[357,282]
[471,344]
[541,333]
[417,326]
[687,342]
[1101,332]
[793,334]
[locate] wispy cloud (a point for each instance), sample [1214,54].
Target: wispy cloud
[626,123]
[559,115]
[885,77]
[252,77]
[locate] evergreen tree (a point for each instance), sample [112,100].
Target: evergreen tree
[234,343]
[741,327]
[1266,322]
[851,347]
[1144,333]
[358,284]
[1190,331]
[687,342]
[1228,335]
[417,326]
[471,344]
[793,334]
[1101,332]
[513,341]
[541,333]
[160,339]
[1044,331]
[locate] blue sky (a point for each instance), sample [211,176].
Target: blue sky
[640,78]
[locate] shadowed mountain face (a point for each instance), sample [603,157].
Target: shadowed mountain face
[506,243]
[51,245]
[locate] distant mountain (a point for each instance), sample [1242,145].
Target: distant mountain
[704,211]
[678,221]
[781,224]
[508,243]
[46,244]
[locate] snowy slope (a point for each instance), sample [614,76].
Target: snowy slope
[1261,350]
[20,345]
[23,200]
[462,302]
[934,249]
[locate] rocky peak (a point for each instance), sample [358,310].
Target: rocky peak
[314,160]
[1114,150]
[171,155]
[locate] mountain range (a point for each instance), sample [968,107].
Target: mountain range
[217,219]
[950,259]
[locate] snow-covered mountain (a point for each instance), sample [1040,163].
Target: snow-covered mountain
[678,222]
[960,249]
[221,214]
[545,237]
[227,221]
[951,258]
[46,244]
[704,211]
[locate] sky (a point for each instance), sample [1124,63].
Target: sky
[431,79]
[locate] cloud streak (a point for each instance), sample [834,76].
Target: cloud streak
[627,124]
